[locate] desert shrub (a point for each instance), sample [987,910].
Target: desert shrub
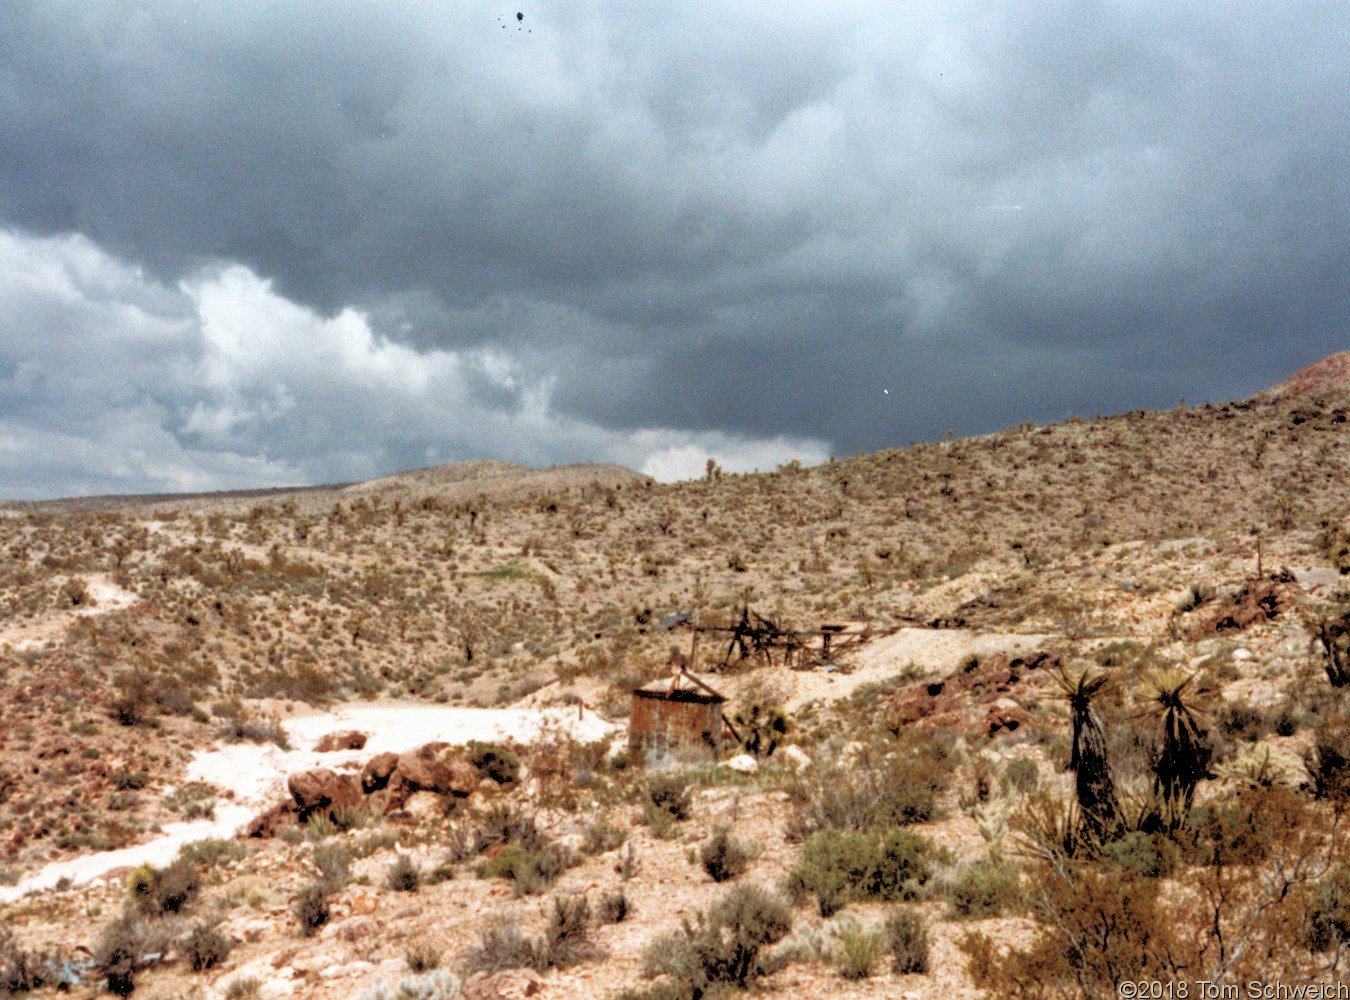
[243,728]
[402,875]
[877,789]
[431,984]
[311,907]
[1328,763]
[22,970]
[499,764]
[502,945]
[350,817]
[905,938]
[602,835]
[124,780]
[1021,774]
[983,889]
[245,988]
[212,851]
[857,949]
[533,870]
[567,941]
[614,907]
[672,794]
[422,958]
[724,945]
[1240,721]
[334,861]
[157,891]
[502,825]
[567,938]
[132,703]
[121,946]
[724,857]
[1150,854]
[204,946]
[1329,911]
[840,867]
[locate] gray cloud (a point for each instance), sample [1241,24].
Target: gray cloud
[849,226]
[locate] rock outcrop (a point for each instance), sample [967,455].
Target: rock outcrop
[384,785]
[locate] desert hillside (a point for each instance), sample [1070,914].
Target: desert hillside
[1027,714]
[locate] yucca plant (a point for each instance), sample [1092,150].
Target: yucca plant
[1185,753]
[1094,783]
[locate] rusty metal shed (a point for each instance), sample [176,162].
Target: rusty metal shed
[680,713]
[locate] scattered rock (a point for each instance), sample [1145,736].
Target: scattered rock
[425,806]
[513,984]
[1258,601]
[794,757]
[322,790]
[375,775]
[742,764]
[948,702]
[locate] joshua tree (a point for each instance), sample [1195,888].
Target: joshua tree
[1095,785]
[1184,757]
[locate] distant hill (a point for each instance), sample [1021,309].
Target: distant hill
[1328,378]
[453,480]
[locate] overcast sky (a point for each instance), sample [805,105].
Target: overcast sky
[254,244]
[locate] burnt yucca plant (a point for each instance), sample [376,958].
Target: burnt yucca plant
[1094,783]
[1184,756]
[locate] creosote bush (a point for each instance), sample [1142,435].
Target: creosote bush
[402,875]
[205,946]
[724,945]
[983,889]
[906,941]
[724,857]
[567,941]
[857,949]
[888,863]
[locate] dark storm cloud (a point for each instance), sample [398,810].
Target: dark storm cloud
[849,224]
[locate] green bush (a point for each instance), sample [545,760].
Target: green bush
[1328,763]
[1329,911]
[532,871]
[402,875]
[212,851]
[1153,855]
[724,857]
[121,946]
[725,944]
[205,947]
[1020,774]
[157,891]
[501,765]
[857,949]
[602,835]
[566,941]
[422,958]
[906,941]
[839,867]
[882,787]
[615,907]
[22,970]
[311,907]
[984,889]
[334,861]
[672,794]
